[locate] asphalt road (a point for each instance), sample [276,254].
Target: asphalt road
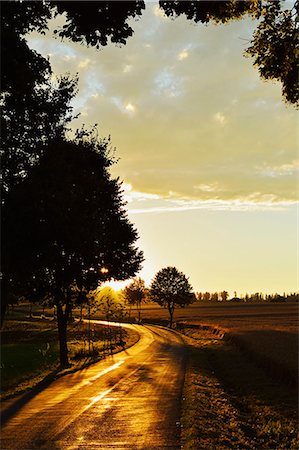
[131,400]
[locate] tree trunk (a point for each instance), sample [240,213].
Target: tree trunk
[139,311]
[3,310]
[170,310]
[89,336]
[62,320]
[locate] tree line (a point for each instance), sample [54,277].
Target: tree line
[247,298]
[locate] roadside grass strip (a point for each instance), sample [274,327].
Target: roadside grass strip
[30,351]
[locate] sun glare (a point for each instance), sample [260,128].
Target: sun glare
[116,285]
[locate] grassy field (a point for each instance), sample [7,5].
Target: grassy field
[30,352]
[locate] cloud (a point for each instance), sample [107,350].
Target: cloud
[207,129]
[130,108]
[158,12]
[84,64]
[133,196]
[179,205]
[183,55]
[283,170]
[220,118]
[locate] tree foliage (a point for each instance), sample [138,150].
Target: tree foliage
[93,22]
[204,11]
[171,288]
[35,109]
[275,50]
[73,223]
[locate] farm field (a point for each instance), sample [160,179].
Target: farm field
[230,402]
[267,332]
[232,316]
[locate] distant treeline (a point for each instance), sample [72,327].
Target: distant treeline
[257,297]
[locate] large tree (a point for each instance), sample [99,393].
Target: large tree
[35,108]
[63,224]
[171,288]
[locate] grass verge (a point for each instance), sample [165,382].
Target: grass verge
[231,403]
[30,351]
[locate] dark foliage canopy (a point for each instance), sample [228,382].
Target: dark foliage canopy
[35,109]
[170,286]
[66,221]
[93,22]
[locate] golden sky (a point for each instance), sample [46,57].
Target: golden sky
[208,151]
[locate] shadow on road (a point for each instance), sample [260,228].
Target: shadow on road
[15,405]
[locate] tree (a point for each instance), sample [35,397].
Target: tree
[135,294]
[274,48]
[214,297]
[206,296]
[73,224]
[224,296]
[199,296]
[171,288]
[35,109]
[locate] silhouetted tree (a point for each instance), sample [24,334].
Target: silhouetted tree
[206,296]
[199,296]
[224,296]
[171,288]
[274,47]
[73,223]
[35,109]
[214,297]
[135,294]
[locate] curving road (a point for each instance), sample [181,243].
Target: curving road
[131,400]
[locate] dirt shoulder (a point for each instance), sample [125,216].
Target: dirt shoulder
[229,402]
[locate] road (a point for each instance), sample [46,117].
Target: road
[130,400]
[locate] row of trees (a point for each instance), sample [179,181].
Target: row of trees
[257,297]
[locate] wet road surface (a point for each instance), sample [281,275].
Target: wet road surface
[130,400]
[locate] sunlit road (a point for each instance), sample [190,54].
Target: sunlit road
[129,401]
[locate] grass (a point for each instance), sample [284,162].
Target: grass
[229,402]
[30,351]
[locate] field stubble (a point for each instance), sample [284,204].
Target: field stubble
[229,402]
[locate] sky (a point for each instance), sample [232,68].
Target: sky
[208,152]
